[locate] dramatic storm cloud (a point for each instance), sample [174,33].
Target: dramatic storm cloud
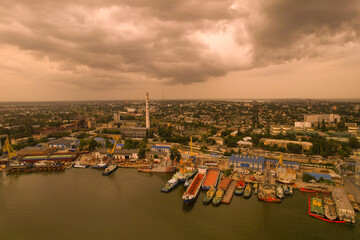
[118,44]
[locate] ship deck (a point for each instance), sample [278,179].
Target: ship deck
[195,184]
[229,193]
[211,177]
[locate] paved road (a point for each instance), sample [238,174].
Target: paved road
[350,187]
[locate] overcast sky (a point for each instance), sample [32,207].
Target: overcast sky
[118,49]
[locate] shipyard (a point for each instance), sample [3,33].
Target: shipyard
[218,178]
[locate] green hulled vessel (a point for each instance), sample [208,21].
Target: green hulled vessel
[218,196]
[248,191]
[209,195]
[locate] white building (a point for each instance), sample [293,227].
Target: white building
[302,125]
[319,118]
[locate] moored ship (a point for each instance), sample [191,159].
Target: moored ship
[212,178]
[100,165]
[192,191]
[248,191]
[218,197]
[79,165]
[170,185]
[239,187]
[209,195]
[279,192]
[110,169]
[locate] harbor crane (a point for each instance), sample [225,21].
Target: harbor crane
[110,151]
[7,148]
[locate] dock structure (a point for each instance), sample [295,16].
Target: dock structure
[229,193]
[35,169]
[224,184]
[343,206]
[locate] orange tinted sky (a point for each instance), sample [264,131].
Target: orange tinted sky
[111,49]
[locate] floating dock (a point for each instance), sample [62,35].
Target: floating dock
[229,193]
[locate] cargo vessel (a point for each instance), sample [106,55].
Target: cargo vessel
[248,191]
[170,185]
[239,187]
[192,191]
[110,169]
[229,193]
[209,195]
[212,178]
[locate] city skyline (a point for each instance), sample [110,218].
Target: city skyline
[117,50]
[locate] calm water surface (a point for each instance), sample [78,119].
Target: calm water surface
[82,204]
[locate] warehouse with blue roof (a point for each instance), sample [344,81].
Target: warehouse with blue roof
[256,163]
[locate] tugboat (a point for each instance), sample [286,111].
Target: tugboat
[248,191]
[170,185]
[279,192]
[100,165]
[218,197]
[239,188]
[209,195]
[110,169]
[255,188]
[286,189]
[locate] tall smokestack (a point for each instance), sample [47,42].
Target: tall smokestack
[147,112]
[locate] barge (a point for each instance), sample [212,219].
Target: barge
[212,178]
[193,190]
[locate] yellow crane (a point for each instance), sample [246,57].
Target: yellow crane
[110,151]
[7,148]
[280,162]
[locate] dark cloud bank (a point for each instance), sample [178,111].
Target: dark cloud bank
[121,42]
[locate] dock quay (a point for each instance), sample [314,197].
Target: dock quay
[35,169]
[229,193]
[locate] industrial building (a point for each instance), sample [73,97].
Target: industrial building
[165,149]
[34,150]
[256,163]
[241,161]
[118,153]
[343,206]
[62,143]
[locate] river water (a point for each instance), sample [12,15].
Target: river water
[83,204]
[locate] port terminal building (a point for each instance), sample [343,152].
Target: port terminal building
[257,163]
